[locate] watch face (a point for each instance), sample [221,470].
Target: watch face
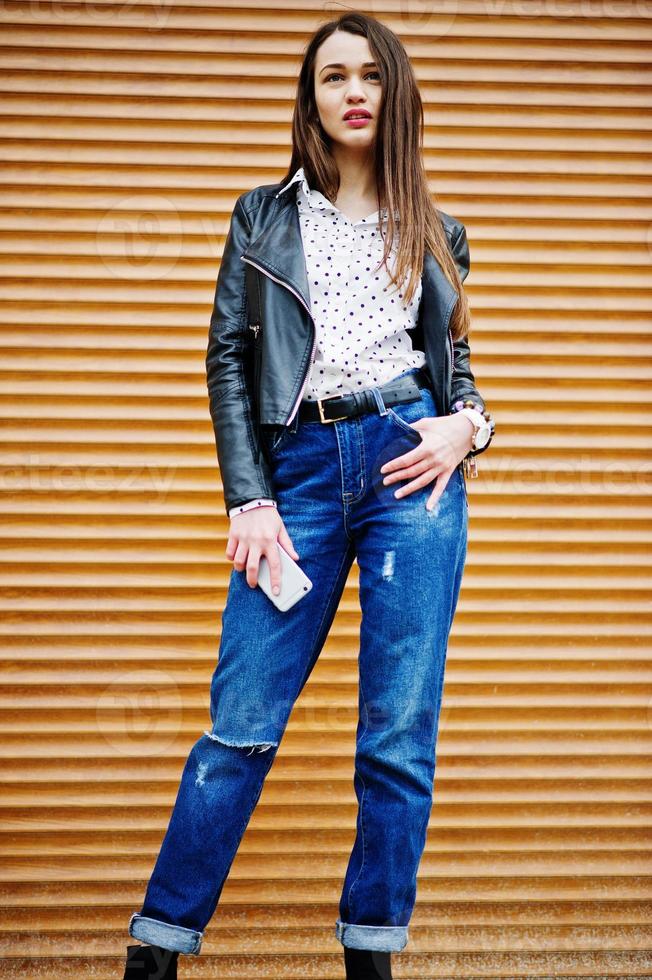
[482,437]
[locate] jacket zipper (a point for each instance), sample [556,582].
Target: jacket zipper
[450,352]
[255,328]
[282,282]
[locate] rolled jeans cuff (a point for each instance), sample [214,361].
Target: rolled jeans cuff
[383,939]
[164,934]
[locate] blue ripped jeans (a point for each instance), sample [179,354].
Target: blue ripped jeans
[334,505]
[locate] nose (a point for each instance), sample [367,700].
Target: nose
[355,90]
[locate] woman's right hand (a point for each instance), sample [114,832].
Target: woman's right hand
[255,533]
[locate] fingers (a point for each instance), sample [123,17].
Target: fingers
[248,554]
[241,555]
[231,546]
[440,486]
[253,565]
[274,560]
[268,548]
[421,481]
[285,540]
[407,459]
[423,473]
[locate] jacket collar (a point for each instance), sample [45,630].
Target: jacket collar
[278,249]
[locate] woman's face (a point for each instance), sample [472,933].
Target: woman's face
[346,80]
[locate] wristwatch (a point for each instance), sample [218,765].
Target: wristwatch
[481,428]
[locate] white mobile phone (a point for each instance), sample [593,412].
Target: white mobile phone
[295,584]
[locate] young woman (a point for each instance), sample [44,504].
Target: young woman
[345,412]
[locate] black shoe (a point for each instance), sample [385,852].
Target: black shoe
[367,964]
[151,963]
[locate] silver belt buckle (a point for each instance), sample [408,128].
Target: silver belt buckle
[321,410]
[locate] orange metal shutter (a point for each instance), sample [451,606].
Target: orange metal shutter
[129,131]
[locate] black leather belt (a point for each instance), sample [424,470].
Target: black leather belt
[348,405]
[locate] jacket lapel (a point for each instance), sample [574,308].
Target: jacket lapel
[279,247]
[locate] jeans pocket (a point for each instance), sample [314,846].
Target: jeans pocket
[407,412]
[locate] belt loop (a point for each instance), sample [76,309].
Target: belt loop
[380,404]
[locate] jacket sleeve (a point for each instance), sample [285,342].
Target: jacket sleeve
[463,381]
[244,469]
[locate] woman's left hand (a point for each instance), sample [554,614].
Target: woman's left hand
[446,441]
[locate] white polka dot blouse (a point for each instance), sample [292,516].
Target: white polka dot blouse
[360,318]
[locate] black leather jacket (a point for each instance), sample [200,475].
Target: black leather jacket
[262,337]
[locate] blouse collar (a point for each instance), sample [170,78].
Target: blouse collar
[315,199]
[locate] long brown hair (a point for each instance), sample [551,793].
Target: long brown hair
[400,176]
